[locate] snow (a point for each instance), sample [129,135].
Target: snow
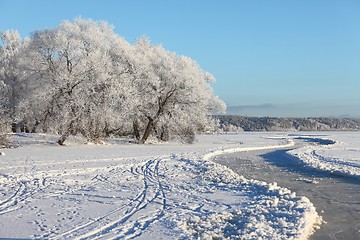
[165,191]
[340,155]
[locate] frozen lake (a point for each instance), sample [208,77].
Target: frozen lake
[336,198]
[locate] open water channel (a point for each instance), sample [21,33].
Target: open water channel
[336,198]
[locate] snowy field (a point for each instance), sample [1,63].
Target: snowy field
[158,191]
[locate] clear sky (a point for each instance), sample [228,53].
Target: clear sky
[270,57]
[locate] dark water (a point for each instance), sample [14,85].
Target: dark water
[336,198]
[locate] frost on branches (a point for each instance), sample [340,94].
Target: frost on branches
[11,75]
[9,82]
[173,96]
[82,78]
[4,119]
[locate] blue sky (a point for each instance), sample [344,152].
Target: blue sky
[270,57]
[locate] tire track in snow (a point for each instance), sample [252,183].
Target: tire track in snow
[24,184]
[10,203]
[149,202]
[23,191]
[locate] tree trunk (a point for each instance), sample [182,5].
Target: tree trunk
[162,133]
[66,134]
[63,138]
[136,130]
[147,132]
[161,106]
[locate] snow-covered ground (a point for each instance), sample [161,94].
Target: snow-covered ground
[163,191]
[339,152]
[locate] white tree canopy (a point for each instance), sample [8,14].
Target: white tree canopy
[10,72]
[177,96]
[82,78]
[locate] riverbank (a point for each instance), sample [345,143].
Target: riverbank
[336,197]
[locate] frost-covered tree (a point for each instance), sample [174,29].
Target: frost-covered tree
[82,78]
[10,71]
[77,78]
[174,97]
[4,116]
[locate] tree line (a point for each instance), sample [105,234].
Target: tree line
[233,123]
[83,78]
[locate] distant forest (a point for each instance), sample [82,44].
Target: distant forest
[234,123]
